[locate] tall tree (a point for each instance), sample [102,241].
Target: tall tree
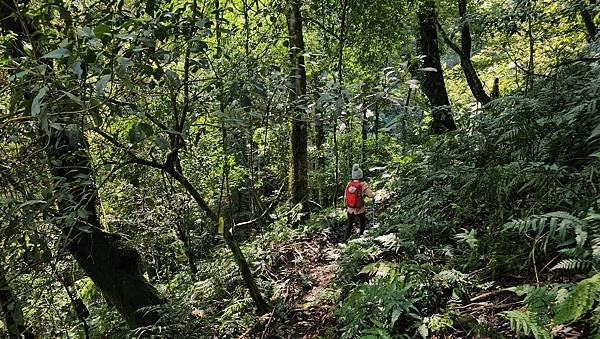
[464,53]
[114,266]
[298,165]
[432,82]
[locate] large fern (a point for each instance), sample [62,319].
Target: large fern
[563,229]
[579,301]
[526,322]
[586,255]
[555,226]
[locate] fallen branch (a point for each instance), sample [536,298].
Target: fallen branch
[488,295]
[267,326]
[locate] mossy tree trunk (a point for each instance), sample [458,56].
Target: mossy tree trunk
[432,83]
[113,265]
[298,164]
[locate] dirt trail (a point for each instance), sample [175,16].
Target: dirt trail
[306,267]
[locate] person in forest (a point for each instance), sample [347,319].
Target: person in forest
[356,189]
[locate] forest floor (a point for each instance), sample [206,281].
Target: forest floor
[305,271]
[307,267]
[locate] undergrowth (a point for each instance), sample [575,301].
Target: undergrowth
[508,201]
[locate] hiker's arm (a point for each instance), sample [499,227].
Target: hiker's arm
[368,191]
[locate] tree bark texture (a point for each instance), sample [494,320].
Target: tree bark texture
[113,265]
[432,83]
[298,164]
[238,256]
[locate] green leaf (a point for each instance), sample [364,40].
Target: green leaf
[74,135]
[76,69]
[35,104]
[102,29]
[31,202]
[85,32]
[83,213]
[161,142]
[123,64]
[139,132]
[58,53]
[43,118]
[583,297]
[101,84]
[73,97]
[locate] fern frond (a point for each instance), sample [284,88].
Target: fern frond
[572,265]
[580,300]
[538,300]
[527,323]
[551,226]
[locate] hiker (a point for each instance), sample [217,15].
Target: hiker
[355,203]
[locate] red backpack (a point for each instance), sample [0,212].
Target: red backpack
[354,194]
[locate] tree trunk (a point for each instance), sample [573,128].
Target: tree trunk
[298,166]
[433,83]
[183,235]
[376,128]
[337,115]
[319,142]
[465,58]
[588,20]
[496,88]
[114,266]
[238,255]
[11,311]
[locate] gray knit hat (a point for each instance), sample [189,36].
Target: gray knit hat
[357,173]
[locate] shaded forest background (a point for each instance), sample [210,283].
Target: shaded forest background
[176,168]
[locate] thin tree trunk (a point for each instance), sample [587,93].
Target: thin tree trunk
[588,20]
[464,53]
[183,235]
[341,82]
[233,245]
[531,64]
[433,83]
[78,306]
[364,128]
[376,129]
[496,88]
[473,79]
[218,28]
[298,166]
[319,141]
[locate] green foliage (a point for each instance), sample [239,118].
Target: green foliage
[124,73]
[526,323]
[579,301]
[553,305]
[378,305]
